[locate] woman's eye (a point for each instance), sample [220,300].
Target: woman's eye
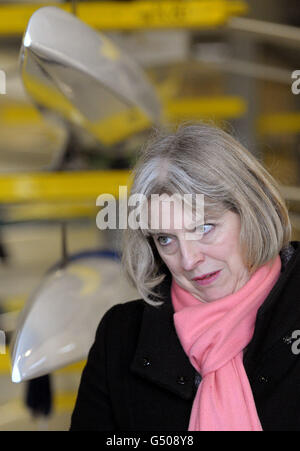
[164,240]
[207,228]
[204,228]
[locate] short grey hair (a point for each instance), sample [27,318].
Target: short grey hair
[204,159]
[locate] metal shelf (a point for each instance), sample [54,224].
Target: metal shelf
[135,15]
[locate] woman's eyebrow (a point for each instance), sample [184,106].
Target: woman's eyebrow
[158,232]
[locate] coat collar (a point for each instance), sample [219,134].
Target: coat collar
[160,358]
[279,315]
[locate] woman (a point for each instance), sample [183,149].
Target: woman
[212,343]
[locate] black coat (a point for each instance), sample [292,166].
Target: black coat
[138,378]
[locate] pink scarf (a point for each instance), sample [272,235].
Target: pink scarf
[213,336]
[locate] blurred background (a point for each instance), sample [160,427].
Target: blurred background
[232,62]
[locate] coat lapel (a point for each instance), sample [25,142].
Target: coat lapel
[279,315]
[159,356]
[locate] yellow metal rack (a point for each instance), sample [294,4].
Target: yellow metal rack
[135,15]
[58,186]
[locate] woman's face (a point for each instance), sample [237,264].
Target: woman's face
[210,265]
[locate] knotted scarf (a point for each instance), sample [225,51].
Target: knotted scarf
[213,336]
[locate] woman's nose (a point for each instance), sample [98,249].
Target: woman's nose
[191,254]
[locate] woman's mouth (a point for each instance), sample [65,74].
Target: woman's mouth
[207,278]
